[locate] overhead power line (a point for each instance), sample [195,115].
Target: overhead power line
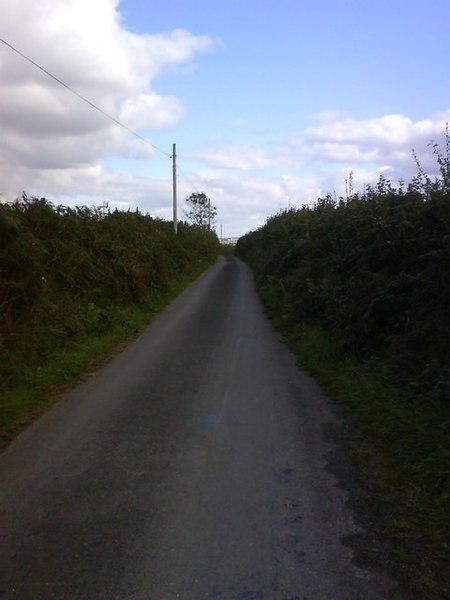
[180,170]
[83,98]
[104,113]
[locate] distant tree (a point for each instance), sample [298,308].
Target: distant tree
[200,211]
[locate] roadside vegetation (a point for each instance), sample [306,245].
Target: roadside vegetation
[360,289]
[74,282]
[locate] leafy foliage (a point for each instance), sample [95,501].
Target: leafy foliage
[200,210]
[66,273]
[370,274]
[373,269]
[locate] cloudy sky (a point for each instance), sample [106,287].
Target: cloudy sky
[271,102]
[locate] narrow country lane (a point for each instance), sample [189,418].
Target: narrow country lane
[192,466]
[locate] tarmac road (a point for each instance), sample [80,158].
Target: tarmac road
[192,466]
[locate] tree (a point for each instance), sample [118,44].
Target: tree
[200,210]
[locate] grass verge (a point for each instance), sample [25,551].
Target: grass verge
[63,368]
[401,449]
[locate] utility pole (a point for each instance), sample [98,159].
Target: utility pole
[209,214]
[174,188]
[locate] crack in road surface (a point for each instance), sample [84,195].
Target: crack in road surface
[192,466]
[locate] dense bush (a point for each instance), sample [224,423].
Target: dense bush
[373,269]
[65,273]
[360,289]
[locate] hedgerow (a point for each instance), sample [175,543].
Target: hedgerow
[372,269]
[360,288]
[67,273]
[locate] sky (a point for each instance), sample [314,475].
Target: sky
[271,103]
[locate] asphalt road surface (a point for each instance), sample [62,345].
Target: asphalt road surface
[192,466]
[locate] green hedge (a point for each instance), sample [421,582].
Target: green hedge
[66,273]
[360,289]
[374,270]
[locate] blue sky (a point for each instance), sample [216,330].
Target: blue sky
[271,103]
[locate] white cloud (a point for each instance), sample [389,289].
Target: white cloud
[54,144]
[84,44]
[251,184]
[336,144]
[149,111]
[245,202]
[387,139]
[244,158]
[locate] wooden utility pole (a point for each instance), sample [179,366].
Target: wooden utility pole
[174,188]
[209,214]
